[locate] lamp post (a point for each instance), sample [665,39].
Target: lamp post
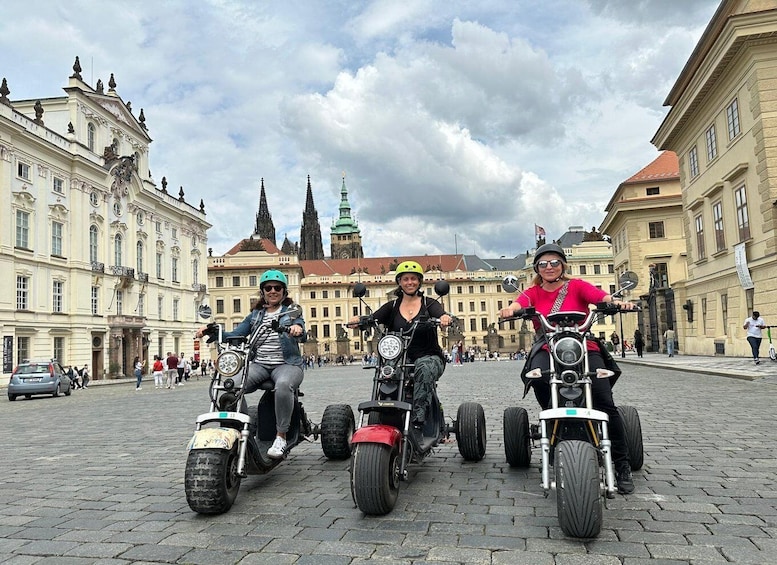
[623,339]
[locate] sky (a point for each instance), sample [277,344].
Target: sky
[458,125]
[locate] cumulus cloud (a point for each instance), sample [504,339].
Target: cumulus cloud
[459,124]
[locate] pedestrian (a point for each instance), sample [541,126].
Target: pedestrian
[203,368]
[172,369]
[85,376]
[754,324]
[181,366]
[138,364]
[669,340]
[159,372]
[639,342]
[615,342]
[187,369]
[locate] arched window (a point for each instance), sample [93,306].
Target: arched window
[117,252]
[140,257]
[90,136]
[93,244]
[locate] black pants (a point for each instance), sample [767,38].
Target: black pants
[601,392]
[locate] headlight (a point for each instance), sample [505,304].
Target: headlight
[568,351]
[389,347]
[229,363]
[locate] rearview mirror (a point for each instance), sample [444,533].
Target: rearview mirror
[628,280]
[510,283]
[442,288]
[359,290]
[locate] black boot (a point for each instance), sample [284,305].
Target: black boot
[623,478]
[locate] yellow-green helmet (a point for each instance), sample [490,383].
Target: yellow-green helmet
[409,267]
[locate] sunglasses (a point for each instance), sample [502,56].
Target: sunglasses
[553,263]
[275,287]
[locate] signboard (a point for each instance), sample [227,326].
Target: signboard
[7,353]
[740,258]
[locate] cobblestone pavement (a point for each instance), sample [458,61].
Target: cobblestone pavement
[97,478]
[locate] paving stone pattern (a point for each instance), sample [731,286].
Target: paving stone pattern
[97,478]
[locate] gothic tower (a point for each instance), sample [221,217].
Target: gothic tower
[310,246]
[346,239]
[264,228]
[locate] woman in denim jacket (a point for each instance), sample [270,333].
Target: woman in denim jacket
[278,357]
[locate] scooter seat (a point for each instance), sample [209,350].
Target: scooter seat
[269,385]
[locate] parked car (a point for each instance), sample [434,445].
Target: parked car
[38,377]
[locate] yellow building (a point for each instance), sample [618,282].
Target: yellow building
[645,223]
[99,263]
[722,124]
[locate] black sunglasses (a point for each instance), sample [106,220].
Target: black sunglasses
[275,287]
[553,263]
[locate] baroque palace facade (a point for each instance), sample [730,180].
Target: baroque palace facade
[100,263]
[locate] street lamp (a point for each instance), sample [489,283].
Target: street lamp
[623,338]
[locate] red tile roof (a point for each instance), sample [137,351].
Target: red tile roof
[267,246]
[379,265]
[665,166]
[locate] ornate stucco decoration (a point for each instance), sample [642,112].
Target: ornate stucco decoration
[122,174]
[57,212]
[96,218]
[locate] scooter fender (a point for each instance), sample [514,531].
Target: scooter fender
[213,438]
[377,433]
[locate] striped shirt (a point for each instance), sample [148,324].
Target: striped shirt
[269,351]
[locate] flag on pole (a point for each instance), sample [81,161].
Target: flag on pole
[539,231]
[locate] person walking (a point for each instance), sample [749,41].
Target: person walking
[138,364]
[159,372]
[172,369]
[754,324]
[639,342]
[615,342]
[180,369]
[669,340]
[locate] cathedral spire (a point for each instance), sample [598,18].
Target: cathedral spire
[310,246]
[345,240]
[263,227]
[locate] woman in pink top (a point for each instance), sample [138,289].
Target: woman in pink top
[551,280]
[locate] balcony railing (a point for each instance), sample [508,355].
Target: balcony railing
[123,271]
[199,287]
[98,267]
[143,277]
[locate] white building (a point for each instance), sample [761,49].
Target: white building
[97,263]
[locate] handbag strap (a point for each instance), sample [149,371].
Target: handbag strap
[562,294]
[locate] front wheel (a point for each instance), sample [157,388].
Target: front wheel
[578,489]
[633,429]
[471,431]
[375,477]
[211,480]
[516,437]
[772,353]
[337,427]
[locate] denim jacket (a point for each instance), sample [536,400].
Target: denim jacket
[289,344]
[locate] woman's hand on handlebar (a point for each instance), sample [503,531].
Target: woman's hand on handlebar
[507,313]
[295,330]
[445,320]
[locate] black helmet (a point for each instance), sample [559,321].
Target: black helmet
[549,248]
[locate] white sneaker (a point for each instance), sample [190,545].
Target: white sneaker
[278,449]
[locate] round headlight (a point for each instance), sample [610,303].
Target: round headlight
[568,351]
[389,347]
[229,363]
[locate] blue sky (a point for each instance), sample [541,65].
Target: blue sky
[459,124]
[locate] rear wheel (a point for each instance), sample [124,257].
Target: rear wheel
[375,477]
[578,490]
[471,431]
[772,353]
[633,428]
[11,397]
[211,480]
[57,391]
[516,437]
[337,427]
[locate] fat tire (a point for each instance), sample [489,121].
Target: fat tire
[337,427]
[375,477]
[211,481]
[471,431]
[516,437]
[772,354]
[578,489]
[633,429]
